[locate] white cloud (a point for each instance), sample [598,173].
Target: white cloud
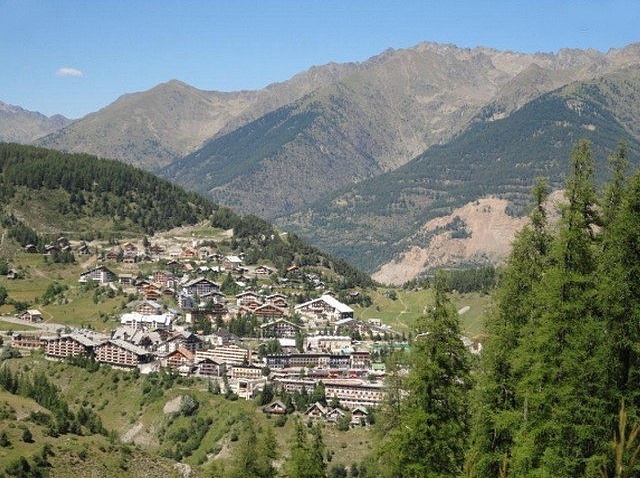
[66,71]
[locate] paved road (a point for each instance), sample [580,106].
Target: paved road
[47,326]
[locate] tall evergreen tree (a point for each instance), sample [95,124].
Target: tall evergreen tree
[496,409]
[561,377]
[430,436]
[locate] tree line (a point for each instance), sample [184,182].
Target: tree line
[561,360]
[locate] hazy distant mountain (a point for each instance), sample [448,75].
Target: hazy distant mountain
[389,110]
[153,128]
[22,126]
[386,220]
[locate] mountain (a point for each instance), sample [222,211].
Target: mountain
[382,220]
[373,120]
[23,126]
[151,129]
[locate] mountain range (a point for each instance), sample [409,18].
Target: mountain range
[360,157]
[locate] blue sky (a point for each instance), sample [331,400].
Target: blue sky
[76,56]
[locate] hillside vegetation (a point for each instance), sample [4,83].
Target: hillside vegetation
[371,222]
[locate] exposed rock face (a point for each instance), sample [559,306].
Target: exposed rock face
[489,231]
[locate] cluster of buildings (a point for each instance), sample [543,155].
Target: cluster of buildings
[148,337]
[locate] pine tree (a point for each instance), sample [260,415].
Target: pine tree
[561,378]
[430,436]
[496,409]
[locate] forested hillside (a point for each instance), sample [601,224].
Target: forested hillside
[370,222]
[47,193]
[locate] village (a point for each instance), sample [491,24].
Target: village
[181,319]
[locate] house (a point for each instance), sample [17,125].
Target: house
[231,262]
[264,270]
[249,299]
[114,254]
[316,411]
[83,249]
[359,417]
[149,307]
[200,286]
[229,354]
[325,306]
[126,279]
[279,328]
[334,415]
[12,274]
[269,311]
[275,408]
[279,300]
[183,340]
[209,367]
[179,358]
[119,353]
[151,292]
[100,275]
[69,345]
[30,249]
[31,315]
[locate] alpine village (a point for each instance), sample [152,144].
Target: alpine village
[307,290]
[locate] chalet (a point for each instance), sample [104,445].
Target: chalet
[231,262]
[149,307]
[275,408]
[70,345]
[334,415]
[179,358]
[50,249]
[270,311]
[83,250]
[31,315]
[223,337]
[114,254]
[293,270]
[264,270]
[151,292]
[126,279]
[325,306]
[12,274]
[279,328]
[183,340]
[155,249]
[359,417]
[119,353]
[249,299]
[279,300]
[316,411]
[209,367]
[200,286]
[136,320]
[167,279]
[30,249]
[130,257]
[100,275]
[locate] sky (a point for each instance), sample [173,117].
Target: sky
[73,57]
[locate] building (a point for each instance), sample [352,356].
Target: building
[329,343]
[27,341]
[179,358]
[119,353]
[355,393]
[279,328]
[100,275]
[200,287]
[325,306]
[136,320]
[229,354]
[31,315]
[70,345]
[246,371]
